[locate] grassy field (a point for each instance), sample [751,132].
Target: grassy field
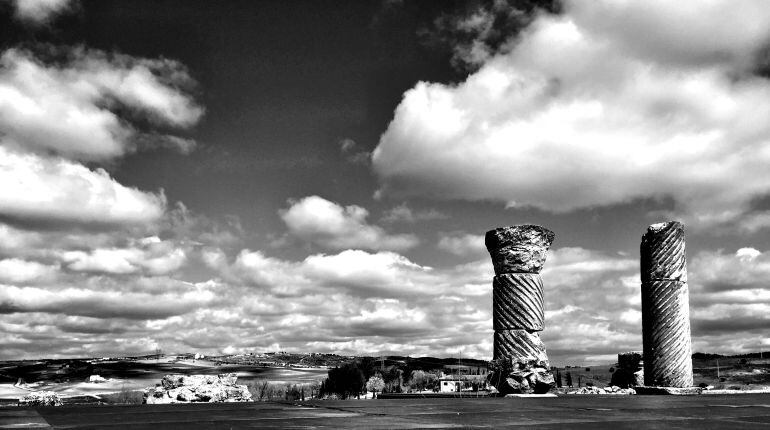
[723,373]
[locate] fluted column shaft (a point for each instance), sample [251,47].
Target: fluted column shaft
[665,307]
[518,254]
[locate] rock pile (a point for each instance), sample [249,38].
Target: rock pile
[197,388]
[96,379]
[606,390]
[520,361]
[40,398]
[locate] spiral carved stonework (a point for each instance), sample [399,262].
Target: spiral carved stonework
[518,254]
[522,344]
[665,307]
[517,302]
[662,252]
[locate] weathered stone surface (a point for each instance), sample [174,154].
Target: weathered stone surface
[197,388]
[519,248]
[665,307]
[606,390]
[520,346]
[518,378]
[518,254]
[662,252]
[517,302]
[639,377]
[666,334]
[40,398]
[674,391]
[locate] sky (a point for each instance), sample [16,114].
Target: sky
[317,176]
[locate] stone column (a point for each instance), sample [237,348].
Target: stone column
[665,307]
[518,254]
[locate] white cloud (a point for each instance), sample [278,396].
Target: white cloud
[69,109]
[101,304]
[57,190]
[383,273]
[462,244]
[150,255]
[583,112]
[718,270]
[358,302]
[330,225]
[18,271]
[403,213]
[40,11]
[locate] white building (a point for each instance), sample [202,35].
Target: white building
[449,385]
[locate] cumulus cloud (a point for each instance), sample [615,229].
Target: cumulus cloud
[101,304]
[150,255]
[70,108]
[330,225]
[56,190]
[18,271]
[743,270]
[582,112]
[462,244]
[40,11]
[359,302]
[380,274]
[60,108]
[403,213]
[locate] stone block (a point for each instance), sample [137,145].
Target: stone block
[519,248]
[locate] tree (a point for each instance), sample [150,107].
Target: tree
[375,384]
[569,379]
[345,381]
[418,380]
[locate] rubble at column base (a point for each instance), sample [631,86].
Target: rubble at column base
[675,391]
[521,377]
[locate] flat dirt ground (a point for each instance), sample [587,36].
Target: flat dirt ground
[744,411]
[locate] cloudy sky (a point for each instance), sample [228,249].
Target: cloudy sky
[250,176]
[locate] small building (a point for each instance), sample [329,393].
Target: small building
[450,385]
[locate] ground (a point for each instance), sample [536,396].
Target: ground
[747,411]
[134,375]
[734,373]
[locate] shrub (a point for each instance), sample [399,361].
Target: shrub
[124,397]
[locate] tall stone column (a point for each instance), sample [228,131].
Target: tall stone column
[665,307]
[518,254]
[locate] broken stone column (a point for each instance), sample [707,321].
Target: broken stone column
[520,360]
[629,372]
[665,307]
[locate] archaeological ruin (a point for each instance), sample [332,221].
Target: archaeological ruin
[518,254]
[665,307]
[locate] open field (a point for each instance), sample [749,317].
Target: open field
[723,373]
[133,375]
[750,411]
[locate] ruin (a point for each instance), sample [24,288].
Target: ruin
[666,338]
[630,370]
[518,254]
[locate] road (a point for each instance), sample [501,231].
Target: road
[748,411]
